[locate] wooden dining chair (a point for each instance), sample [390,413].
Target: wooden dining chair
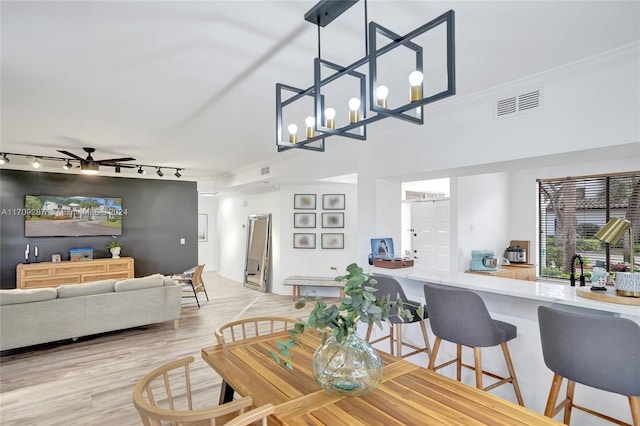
[193,285]
[254,326]
[164,395]
[243,329]
[250,417]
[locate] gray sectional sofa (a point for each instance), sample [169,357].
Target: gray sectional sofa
[34,316]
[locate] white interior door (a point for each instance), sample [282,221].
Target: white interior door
[430,233]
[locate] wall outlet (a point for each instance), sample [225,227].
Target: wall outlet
[182,241]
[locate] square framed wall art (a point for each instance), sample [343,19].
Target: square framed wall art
[304,220]
[304,201]
[333,201]
[332,241]
[333,220]
[304,241]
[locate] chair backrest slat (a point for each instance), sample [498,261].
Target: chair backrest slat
[254,326]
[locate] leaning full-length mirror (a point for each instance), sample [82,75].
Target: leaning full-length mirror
[256,270]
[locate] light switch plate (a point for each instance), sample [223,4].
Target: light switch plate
[182,241]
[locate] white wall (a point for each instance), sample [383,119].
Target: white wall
[285,260]
[232,223]
[484,216]
[208,250]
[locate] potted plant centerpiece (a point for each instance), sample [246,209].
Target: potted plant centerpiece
[345,363]
[115,247]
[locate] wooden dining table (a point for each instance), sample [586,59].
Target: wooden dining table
[408,395]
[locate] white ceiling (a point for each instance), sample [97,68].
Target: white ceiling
[192,83]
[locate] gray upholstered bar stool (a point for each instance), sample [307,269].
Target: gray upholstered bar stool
[598,351]
[390,286]
[461,317]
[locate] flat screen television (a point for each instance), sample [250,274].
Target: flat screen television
[65,216]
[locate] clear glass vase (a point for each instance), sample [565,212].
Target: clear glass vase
[349,368]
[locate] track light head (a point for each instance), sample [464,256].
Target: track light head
[36,163]
[67,165]
[159,172]
[4,159]
[177,174]
[118,170]
[141,171]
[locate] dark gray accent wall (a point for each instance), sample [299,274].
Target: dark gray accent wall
[159,213]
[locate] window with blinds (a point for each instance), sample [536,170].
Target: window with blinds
[572,210]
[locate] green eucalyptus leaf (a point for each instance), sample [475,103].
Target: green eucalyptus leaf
[300,303]
[275,357]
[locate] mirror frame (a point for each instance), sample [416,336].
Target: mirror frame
[263,282]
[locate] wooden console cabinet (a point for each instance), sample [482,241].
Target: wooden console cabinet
[53,274]
[517,272]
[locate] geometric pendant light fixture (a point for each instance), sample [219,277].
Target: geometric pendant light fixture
[369,101]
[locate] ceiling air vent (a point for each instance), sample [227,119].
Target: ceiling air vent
[506,106]
[264,171]
[519,103]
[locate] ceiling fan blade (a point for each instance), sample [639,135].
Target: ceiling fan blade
[116,160]
[72,155]
[124,166]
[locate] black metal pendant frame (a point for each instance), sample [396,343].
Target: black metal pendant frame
[358,130]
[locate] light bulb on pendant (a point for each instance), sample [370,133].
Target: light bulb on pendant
[415,80]
[293,129]
[354,110]
[36,163]
[310,122]
[330,115]
[381,95]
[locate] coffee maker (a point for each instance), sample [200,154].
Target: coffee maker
[483,260]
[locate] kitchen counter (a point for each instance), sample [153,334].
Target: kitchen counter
[539,290]
[515,301]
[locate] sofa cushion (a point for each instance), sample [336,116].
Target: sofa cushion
[15,296]
[86,289]
[151,281]
[168,281]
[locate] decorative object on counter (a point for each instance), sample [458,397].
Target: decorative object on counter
[573,270]
[35,253]
[628,284]
[76,254]
[599,279]
[393,263]
[26,254]
[611,233]
[115,247]
[345,364]
[516,254]
[55,258]
[483,260]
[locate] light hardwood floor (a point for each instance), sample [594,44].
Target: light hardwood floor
[89,382]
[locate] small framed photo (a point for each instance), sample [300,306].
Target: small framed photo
[333,201]
[304,220]
[332,241]
[304,201]
[304,241]
[333,220]
[55,258]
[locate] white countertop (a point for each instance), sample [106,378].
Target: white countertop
[540,290]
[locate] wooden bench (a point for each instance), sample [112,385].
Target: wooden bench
[298,281]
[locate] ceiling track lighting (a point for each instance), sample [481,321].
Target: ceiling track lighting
[352,124]
[86,166]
